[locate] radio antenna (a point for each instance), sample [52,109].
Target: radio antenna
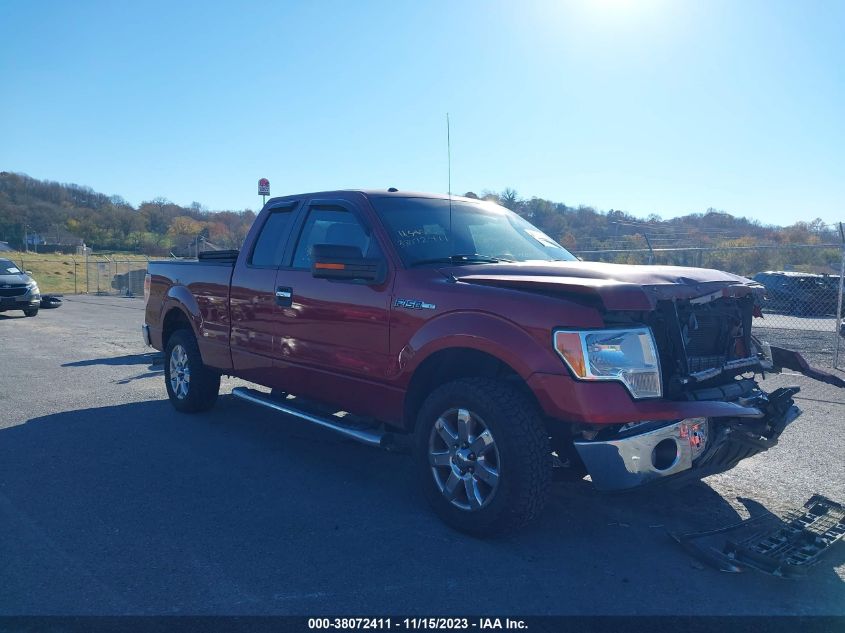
[449,165]
[449,154]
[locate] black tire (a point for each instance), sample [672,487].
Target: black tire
[30,312]
[203,386]
[523,455]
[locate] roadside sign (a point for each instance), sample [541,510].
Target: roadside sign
[263,187]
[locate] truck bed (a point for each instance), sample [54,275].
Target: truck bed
[203,286]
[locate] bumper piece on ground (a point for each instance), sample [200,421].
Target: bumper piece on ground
[785,547]
[787,359]
[51,301]
[689,448]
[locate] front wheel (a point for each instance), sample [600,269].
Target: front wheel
[191,386]
[30,312]
[483,456]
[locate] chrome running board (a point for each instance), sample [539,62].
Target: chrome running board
[371,438]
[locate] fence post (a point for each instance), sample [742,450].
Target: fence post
[75,277]
[838,324]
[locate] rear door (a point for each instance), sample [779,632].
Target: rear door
[255,313]
[333,334]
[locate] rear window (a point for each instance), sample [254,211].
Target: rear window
[270,245]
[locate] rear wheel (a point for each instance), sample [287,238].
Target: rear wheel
[191,386]
[483,456]
[30,312]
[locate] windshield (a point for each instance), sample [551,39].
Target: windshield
[8,267]
[419,228]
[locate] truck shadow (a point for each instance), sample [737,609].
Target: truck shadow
[136,508]
[153,359]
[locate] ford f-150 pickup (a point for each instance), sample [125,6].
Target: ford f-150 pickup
[457,327]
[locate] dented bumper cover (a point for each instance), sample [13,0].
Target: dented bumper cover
[689,448]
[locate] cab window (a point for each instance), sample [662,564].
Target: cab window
[332,225]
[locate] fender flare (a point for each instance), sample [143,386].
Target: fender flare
[180,298]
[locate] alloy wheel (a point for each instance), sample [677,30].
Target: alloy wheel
[464,459]
[180,372]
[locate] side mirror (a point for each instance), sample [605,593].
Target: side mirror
[28,272]
[346,263]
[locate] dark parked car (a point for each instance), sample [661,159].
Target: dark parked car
[18,291]
[801,294]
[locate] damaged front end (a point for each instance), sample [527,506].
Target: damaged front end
[707,354]
[631,455]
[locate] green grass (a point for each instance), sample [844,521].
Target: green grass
[68,274]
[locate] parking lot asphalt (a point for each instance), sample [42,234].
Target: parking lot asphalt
[113,503]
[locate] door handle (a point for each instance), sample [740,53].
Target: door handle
[284,296]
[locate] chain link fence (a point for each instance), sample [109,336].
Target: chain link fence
[804,285]
[803,309]
[81,274]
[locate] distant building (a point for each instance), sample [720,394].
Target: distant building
[61,237]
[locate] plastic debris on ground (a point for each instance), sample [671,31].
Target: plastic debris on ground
[781,546]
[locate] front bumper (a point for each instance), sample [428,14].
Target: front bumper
[668,451]
[27,300]
[145,334]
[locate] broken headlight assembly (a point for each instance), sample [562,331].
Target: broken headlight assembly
[628,356]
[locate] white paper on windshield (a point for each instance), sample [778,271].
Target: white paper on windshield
[13,270]
[541,237]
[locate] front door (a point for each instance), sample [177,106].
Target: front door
[334,334]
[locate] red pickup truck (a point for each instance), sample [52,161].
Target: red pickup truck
[455,325]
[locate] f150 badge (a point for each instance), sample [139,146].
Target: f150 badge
[413,304]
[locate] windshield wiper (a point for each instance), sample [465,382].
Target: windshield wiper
[461,259]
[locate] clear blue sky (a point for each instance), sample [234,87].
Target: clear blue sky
[650,106]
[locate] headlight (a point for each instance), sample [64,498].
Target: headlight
[627,356]
[32,286]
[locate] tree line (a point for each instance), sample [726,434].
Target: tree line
[45,212]
[50,212]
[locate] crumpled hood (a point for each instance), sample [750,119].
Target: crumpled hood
[618,286]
